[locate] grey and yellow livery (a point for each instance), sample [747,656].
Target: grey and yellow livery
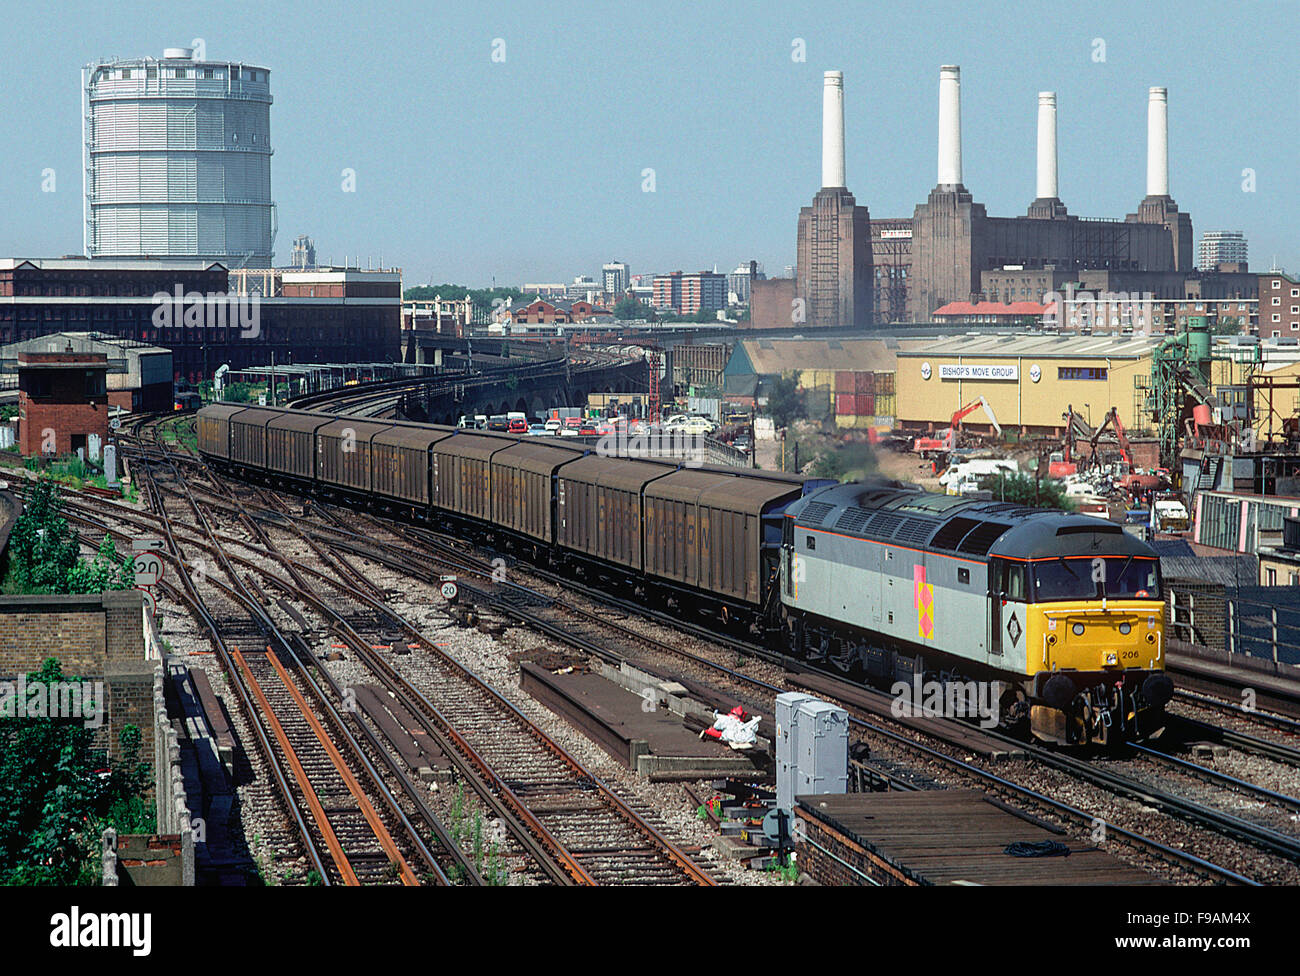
[1063,612]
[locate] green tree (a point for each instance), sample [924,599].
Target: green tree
[1024,489]
[107,571]
[784,401]
[44,552]
[630,308]
[237,392]
[60,794]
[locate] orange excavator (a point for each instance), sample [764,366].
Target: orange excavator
[948,441]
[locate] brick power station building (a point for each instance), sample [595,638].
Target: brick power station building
[855,271]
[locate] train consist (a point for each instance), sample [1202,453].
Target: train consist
[1060,613]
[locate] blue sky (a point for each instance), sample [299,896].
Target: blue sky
[531,168]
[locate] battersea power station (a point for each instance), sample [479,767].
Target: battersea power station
[855,271]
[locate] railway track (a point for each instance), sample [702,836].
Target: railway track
[529,607]
[586,830]
[347,838]
[521,603]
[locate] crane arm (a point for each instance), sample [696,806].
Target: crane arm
[989,413]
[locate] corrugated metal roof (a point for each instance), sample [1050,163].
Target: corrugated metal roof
[770,356]
[1046,346]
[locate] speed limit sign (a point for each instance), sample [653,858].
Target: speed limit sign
[148,568]
[449,589]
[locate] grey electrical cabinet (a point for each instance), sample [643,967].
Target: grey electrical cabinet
[821,741]
[787,712]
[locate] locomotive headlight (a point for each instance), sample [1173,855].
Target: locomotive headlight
[1151,638]
[1125,628]
[1078,630]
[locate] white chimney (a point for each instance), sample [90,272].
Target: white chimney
[833,130]
[1047,186]
[1158,143]
[949,125]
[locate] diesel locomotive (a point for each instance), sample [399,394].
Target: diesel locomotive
[1060,614]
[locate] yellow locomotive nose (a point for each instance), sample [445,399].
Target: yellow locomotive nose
[1084,637]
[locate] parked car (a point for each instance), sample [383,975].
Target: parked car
[696,426]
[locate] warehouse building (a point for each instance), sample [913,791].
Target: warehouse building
[139,377]
[823,369]
[205,315]
[1028,380]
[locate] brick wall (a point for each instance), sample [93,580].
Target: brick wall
[65,419]
[96,637]
[826,855]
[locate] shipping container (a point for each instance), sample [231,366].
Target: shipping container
[291,440]
[845,405]
[884,383]
[343,452]
[865,405]
[886,404]
[844,381]
[864,382]
[401,457]
[523,486]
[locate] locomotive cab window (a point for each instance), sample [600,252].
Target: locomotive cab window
[812,542]
[1013,582]
[963,574]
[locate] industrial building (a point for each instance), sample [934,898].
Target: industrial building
[954,241]
[139,375]
[178,160]
[834,275]
[328,315]
[818,367]
[853,269]
[1029,381]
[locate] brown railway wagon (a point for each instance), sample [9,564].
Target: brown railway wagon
[213,428]
[401,461]
[523,486]
[703,528]
[291,442]
[461,473]
[598,505]
[343,452]
[248,436]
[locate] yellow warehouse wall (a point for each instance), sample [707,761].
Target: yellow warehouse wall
[1020,402]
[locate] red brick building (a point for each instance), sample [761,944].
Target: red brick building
[1279,305]
[544,311]
[687,294]
[62,399]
